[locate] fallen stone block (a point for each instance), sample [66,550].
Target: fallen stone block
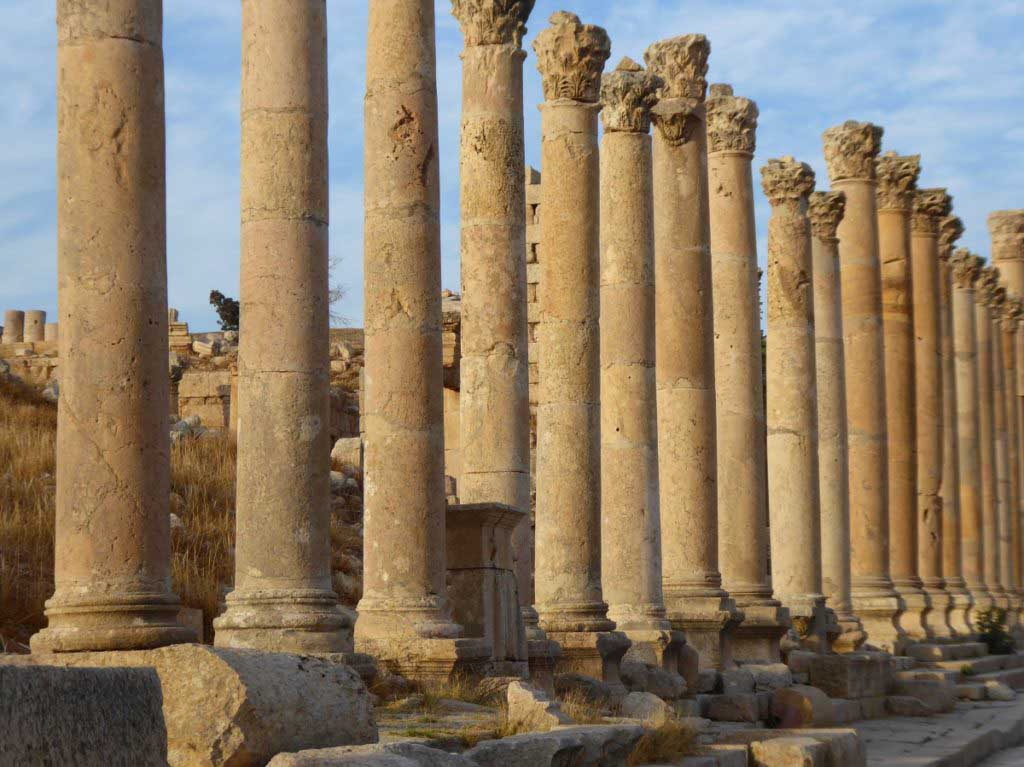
[971,691]
[802,706]
[401,754]
[996,690]
[727,755]
[646,707]
[939,697]
[906,705]
[634,676]
[741,707]
[590,746]
[788,752]
[737,680]
[87,717]
[770,677]
[532,708]
[665,685]
[844,746]
[853,675]
[708,681]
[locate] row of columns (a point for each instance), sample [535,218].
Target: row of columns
[27,327]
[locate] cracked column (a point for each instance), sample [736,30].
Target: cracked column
[14,326]
[950,230]
[792,413]
[685,353]
[850,152]
[112,547]
[494,398]
[966,268]
[999,538]
[739,392]
[929,208]
[825,211]
[404,617]
[571,57]
[630,518]
[283,599]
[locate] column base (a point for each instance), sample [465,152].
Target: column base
[661,648]
[1000,598]
[879,614]
[982,600]
[938,619]
[544,656]
[851,633]
[111,622]
[917,609]
[811,620]
[280,620]
[757,638]
[429,659]
[708,623]
[960,610]
[596,654]
[1013,613]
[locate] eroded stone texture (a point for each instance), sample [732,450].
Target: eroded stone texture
[35,325]
[570,603]
[897,180]
[695,600]
[950,230]
[792,417]
[930,206]
[283,597]
[494,398]
[998,538]
[112,558]
[51,332]
[850,152]
[14,326]
[1010,530]
[825,210]
[739,391]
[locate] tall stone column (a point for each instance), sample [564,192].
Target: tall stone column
[283,598]
[694,597]
[630,517]
[571,57]
[930,206]
[1009,542]
[494,400]
[35,325]
[986,547]
[825,211]
[792,413]
[850,152]
[995,570]
[739,391]
[404,597]
[950,230]
[112,548]
[897,179]
[965,271]
[14,326]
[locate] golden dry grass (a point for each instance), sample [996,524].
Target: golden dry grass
[665,744]
[581,708]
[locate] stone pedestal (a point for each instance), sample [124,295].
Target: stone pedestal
[739,391]
[570,603]
[825,210]
[897,178]
[35,326]
[283,598]
[694,598]
[850,151]
[14,326]
[112,550]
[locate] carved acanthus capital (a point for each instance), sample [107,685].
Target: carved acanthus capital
[987,288]
[966,268]
[786,179]
[851,149]
[627,95]
[732,121]
[1006,228]
[931,206]
[682,63]
[570,58]
[897,179]
[492,22]
[1013,309]
[826,209]
[951,229]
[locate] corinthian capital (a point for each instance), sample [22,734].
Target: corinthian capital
[786,179]
[627,95]
[682,63]
[987,288]
[966,268]
[1012,311]
[931,206]
[951,229]
[571,57]
[731,120]
[851,149]
[492,22]
[1006,228]
[897,179]
[826,209]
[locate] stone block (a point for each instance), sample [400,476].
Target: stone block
[740,707]
[996,690]
[769,677]
[727,755]
[687,707]
[939,697]
[737,680]
[854,675]
[844,747]
[906,705]
[348,453]
[591,688]
[799,661]
[802,706]
[646,707]
[708,681]
[87,717]
[191,618]
[872,708]
[846,711]
[788,752]
[401,754]
[534,708]
[590,746]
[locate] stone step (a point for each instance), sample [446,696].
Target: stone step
[929,651]
[942,674]
[1013,678]
[971,691]
[976,665]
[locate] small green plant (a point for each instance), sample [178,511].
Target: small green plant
[991,626]
[967,670]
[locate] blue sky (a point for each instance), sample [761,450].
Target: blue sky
[943,77]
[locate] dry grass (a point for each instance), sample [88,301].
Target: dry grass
[666,744]
[581,708]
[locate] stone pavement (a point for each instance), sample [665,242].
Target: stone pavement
[1013,757]
[959,739]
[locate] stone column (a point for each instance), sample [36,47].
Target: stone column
[112,548]
[283,598]
[494,399]
[404,613]
[695,600]
[995,567]
[1009,558]
[825,211]
[52,332]
[739,391]
[930,206]
[950,230]
[792,413]
[14,326]
[630,517]
[965,270]
[35,325]
[897,180]
[570,57]
[850,151]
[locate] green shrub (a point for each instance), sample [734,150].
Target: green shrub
[991,626]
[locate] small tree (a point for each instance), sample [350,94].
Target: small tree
[227,310]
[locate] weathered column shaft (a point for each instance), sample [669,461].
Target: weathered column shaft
[35,325]
[850,151]
[14,326]
[999,582]
[1010,556]
[112,548]
[988,541]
